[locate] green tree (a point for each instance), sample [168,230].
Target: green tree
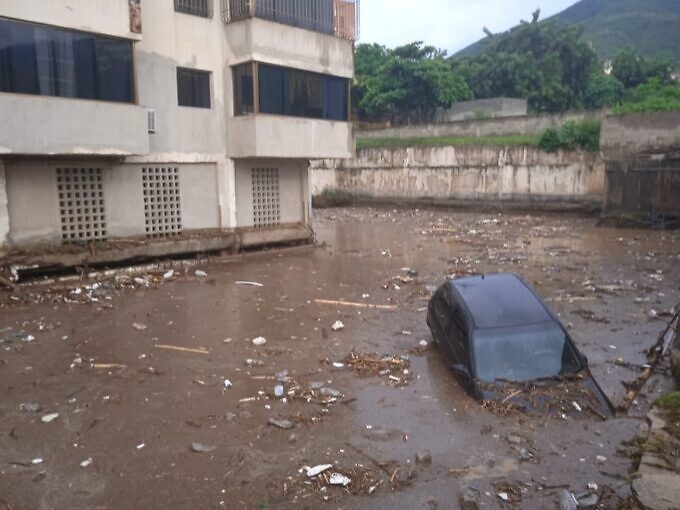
[550,65]
[603,90]
[632,68]
[412,79]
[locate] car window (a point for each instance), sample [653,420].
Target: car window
[524,353]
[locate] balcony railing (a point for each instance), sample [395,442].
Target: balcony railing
[335,17]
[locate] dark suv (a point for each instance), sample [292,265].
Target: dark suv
[504,340]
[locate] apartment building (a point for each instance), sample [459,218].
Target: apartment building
[168,121]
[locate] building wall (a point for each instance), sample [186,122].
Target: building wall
[4,215]
[207,145]
[34,212]
[292,186]
[465,173]
[642,153]
[110,17]
[526,125]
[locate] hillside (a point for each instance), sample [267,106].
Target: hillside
[649,26]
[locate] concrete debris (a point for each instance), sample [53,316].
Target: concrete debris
[47,418]
[311,472]
[503,496]
[337,364]
[424,457]
[169,274]
[37,461]
[282,424]
[652,313]
[139,326]
[228,384]
[330,392]
[202,448]
[601,459]
[576,406]
[250,362]
[514,439]
[30,407]
[566,500]
[86,462]
[525,455]
[259,341]
[588,500]
[200,274]
[337,325]
[592,486]
[423,343]
[339,479]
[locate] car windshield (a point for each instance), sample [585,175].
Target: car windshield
[524,353]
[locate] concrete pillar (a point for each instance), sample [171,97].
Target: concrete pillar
[4,212]
[226,174]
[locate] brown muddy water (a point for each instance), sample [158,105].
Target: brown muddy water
[137,419]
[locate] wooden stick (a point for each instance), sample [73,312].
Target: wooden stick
[655,355]
[182,349]
[106,366]
[355,305]
[513,394]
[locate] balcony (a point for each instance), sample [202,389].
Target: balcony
[276,136]
[44,126]
[333,17]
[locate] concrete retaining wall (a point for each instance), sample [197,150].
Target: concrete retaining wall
[465,173]
[642,153]
[523,125]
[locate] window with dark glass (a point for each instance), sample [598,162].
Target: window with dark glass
[286,91]
[244,87]
[195,7]
[193,88]
[47,61]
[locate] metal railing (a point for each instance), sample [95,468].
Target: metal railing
[337,17]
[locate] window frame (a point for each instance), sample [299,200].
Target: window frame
[194,71]
[208,4]
[133,87]
[257,110]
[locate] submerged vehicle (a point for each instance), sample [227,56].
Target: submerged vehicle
[507,346]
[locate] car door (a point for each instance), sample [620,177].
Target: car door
[441,317]
[457,334]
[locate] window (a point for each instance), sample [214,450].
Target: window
[523,353]
[193,88]
[244,87]
[292,92]
[53,62]
[195,7]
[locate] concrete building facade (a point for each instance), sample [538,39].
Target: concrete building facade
[167,118]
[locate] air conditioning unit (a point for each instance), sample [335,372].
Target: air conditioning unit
[151,120]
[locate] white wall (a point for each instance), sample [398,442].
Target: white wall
[4,214]
[65,126]
[292,189]
[110,17]
[466,173]
[262,40]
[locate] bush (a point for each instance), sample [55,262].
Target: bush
[584,135]
[652,96]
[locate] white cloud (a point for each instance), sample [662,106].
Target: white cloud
[448,24]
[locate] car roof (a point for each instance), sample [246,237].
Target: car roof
[500,300]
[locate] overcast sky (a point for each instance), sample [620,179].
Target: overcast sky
[447,24]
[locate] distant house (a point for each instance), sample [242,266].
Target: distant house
[675,76]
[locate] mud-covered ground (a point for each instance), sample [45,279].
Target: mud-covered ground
[95,356]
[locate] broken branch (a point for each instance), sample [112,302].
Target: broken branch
[355,305]
[182,349]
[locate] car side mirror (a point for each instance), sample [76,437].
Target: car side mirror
[461,370]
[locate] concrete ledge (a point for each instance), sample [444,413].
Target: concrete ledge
[128,250]
[556,203]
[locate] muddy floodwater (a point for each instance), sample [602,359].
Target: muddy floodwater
[162,398]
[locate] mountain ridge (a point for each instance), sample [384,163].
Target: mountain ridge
[651,27]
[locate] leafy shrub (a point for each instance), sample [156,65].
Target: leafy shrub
[652,96]
[573,135]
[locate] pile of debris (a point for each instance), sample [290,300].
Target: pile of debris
[331,482]
[396,369]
